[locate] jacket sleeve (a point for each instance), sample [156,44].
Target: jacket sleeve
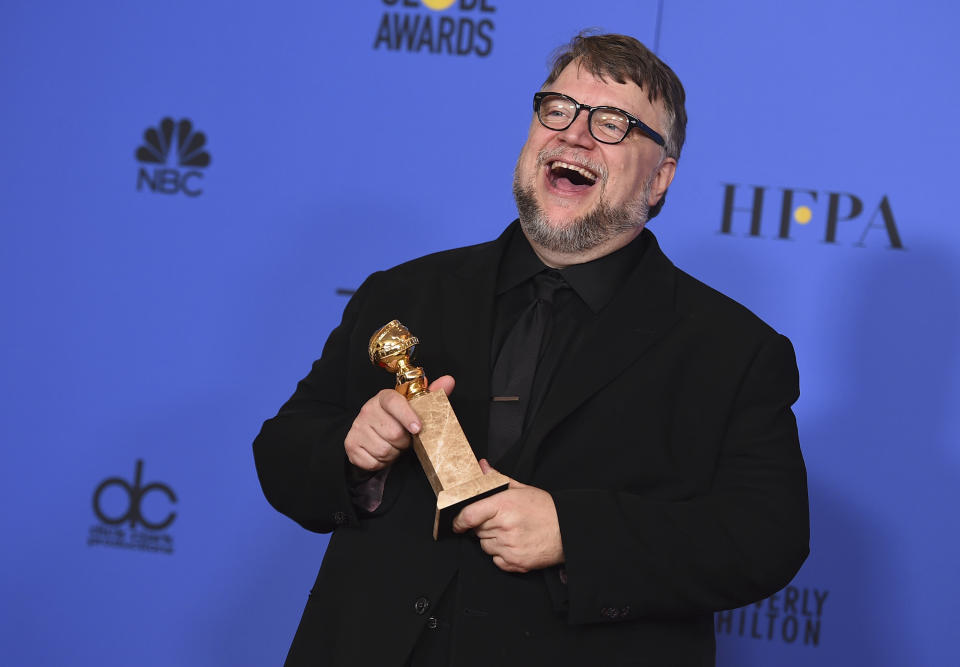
[629,556]
[299,454]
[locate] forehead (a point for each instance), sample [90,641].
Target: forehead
[580,84]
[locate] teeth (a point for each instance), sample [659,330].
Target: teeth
[589,175]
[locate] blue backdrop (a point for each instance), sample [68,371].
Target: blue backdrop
[166,283]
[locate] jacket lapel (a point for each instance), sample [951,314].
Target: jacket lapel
[466,326]
[637,317]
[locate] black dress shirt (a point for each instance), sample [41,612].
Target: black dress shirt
[593,284]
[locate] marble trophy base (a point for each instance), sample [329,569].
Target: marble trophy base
[448,461]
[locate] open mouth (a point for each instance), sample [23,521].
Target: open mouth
[570,177]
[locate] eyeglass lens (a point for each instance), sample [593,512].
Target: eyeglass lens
[606,124]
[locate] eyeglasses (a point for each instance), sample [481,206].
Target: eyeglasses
[608,125]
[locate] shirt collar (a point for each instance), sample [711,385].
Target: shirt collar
[519,264]
[595,282]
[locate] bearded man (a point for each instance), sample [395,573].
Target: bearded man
[643,418]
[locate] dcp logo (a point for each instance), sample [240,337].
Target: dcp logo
[135,494]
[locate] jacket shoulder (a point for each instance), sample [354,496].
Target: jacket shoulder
[444,260]
[701,302]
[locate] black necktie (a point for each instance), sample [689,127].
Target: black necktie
[512,378]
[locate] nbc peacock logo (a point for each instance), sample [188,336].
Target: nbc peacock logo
[171,155]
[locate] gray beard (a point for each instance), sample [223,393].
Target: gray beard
[584,233]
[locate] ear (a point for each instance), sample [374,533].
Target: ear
[662,180]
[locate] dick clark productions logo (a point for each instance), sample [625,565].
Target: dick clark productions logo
[175,142]
[119,505]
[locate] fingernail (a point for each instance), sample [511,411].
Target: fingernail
[414,427]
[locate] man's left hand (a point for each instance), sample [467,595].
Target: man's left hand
[518,527]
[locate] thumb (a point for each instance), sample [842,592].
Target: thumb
[486,468]
[444,382]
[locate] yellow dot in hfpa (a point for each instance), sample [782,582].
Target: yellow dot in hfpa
[437,5]
[802,214]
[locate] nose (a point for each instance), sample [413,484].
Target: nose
[578,134]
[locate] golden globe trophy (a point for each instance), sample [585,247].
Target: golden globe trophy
[441,445]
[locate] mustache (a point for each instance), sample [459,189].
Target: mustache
[576,157]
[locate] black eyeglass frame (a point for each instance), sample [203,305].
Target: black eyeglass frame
[633,120]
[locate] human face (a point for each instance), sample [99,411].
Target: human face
[579,198]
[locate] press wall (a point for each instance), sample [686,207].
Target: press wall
[160,301]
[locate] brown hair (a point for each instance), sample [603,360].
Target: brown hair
[623,58]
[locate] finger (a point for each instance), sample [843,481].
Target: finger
[398,418]
[484,533]
[363,460]
[474,515]
[379,448]
[374,418]
[502,563]
[444,382]
[363,437]
[490,546]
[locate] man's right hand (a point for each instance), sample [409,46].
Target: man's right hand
[381,432]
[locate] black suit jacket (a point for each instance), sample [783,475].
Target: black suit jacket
[668,445]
